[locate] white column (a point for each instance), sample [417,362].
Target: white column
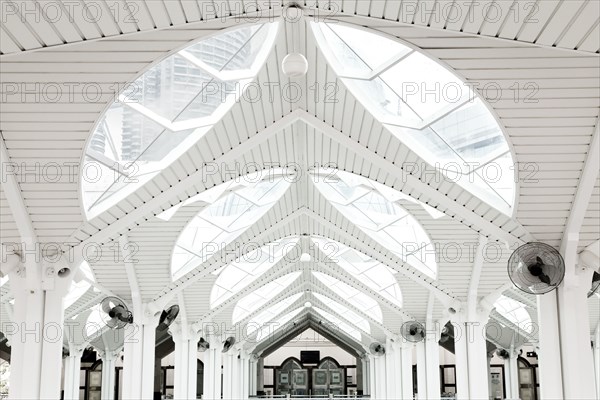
[244,374]
[549,362]
[212,371]
[139,357]
[36,332]
[253,375]
[372,375]
[432,365]
[597,359]
[391,369]
[511,374]
[365,374]
[109,359]
[228,381]
[406,371]
[574,322]
[471,354]
[72,373]
[186,361]
[421,371]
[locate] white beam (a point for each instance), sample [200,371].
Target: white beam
[14,198]
[585,188]
[179,189]
[410,181]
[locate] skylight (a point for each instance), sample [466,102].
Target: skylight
[275,325]
[378,214]
[369,271]
[515,312]
[166,110]
[234,207]
[260,297]
[427,107]
[338,324]
[344,312]
[246,269]
[358,299]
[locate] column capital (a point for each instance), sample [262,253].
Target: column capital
[51,274]
[109,354]
[180,331]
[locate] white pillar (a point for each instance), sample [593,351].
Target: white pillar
[406,371]
[212,371]
[390,369]
[253,374]
[72,373]
[432,365]
[36,332]
[597,359]
[365,374]
[109,359]
[372,375]
[549,361]
[471,354]
[228,375]
[574,322]
[511,374]
[245,374]
[186,361]
[139,356]
[428,365]
[421,371]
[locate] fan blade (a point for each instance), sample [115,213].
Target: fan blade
[545,278]
[539,261]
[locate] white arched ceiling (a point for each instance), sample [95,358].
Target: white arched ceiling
[51,204]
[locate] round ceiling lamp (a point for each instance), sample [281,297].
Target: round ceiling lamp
[308,304]
[294,65]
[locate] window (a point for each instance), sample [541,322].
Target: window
[425,106]
[358,299]
[166,110]
[260,297]
[374,208]
[515,312]
[246,269]
[371,272]
[229,209]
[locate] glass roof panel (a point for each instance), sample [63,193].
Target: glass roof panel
[472,133]
[166,110]
[429,82]
[269,315]
[218,223]
[338,324]
[345,313]
[358,299]
[425,106]
[385,221]
[271,327]
[233,50]
[515,312]
[353,49]
[369,271]
[260,297]
[248,268]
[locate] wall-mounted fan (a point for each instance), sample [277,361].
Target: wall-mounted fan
[228,344]
[377,349]
[503,354]
[413,331]
[114,313]
[536,268]
[203,345]
[595,284]
[167,317]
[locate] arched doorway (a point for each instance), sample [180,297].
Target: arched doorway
[328,378]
